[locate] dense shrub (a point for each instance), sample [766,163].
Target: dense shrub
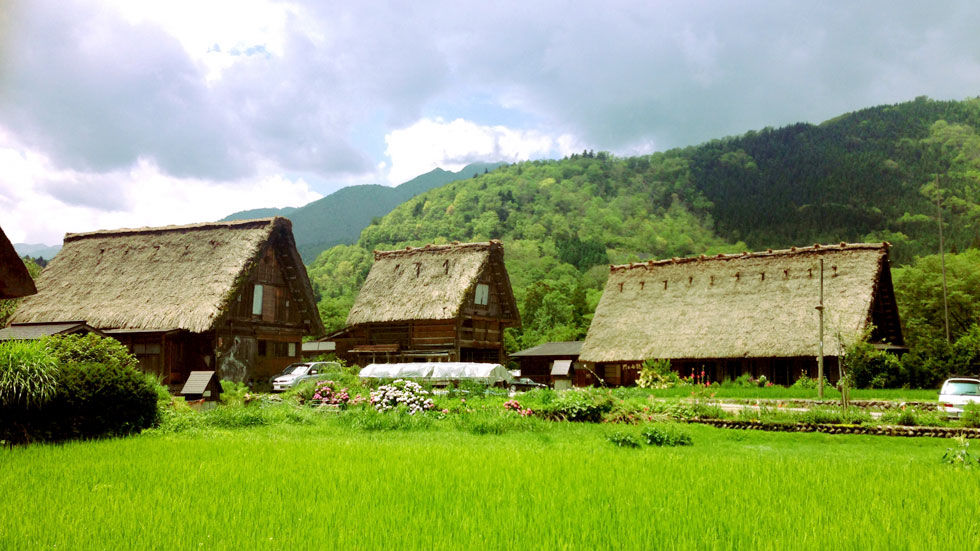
[872,368]
[103,399]
[92,391]
[91,349]
[580,405]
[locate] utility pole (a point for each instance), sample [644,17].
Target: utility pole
[942,257]
[820,343]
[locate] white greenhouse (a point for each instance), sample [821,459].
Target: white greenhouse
[440,372]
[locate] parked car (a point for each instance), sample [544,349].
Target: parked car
[957,392]
[299,372]
[523,383]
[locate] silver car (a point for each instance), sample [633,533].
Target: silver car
[299,372]
[957,392]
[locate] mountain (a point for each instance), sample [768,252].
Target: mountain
[340,217]
[870,175]
[35,250]
[259,213]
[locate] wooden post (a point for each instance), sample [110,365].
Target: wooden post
[820,343]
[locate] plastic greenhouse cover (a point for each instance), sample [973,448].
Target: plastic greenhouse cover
[438,371]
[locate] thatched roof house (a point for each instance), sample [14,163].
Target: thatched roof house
[429,283]
[742,306]
[237,283]
[446,302]
[14,280]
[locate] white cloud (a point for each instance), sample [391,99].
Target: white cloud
[431,143]
[216,33]
[41,203]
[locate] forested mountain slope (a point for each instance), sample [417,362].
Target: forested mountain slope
[562,223]
[340,216]
[868,175]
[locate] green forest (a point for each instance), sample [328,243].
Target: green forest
[878,174]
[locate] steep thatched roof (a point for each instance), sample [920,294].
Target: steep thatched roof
[172,277]
[14,279]
[429,283]
[745,305]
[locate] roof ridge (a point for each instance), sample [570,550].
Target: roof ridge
[815,248]
[453,246]
[253,223]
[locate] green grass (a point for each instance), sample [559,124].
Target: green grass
[319,481]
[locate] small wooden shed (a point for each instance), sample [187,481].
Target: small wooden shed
[201,385]
[734,314]
[447,303]
[550,362]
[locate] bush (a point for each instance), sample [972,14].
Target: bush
[401,394]
[971,415]
[95,400]
[906,417]
[872,368]
[233,392]
[657,374]
[807,383]
[93,390]
[624,439]
[666,436]
[580,405]
[91,349]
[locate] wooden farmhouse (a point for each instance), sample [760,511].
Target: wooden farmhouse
[752,313]
[231,297]
[550,363]
[434,303]
[15,281]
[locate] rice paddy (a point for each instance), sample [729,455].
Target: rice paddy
[558,485]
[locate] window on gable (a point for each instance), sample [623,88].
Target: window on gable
[257,301]
[482,297]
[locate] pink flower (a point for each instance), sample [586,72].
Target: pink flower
[445,411]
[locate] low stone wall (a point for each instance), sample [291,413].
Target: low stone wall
[881,430]
[864,404]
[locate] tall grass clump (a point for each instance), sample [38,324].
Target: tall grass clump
[28,374]
[370,419]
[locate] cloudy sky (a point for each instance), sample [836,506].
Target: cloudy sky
[123,113]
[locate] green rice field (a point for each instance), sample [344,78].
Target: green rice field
[552,486]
